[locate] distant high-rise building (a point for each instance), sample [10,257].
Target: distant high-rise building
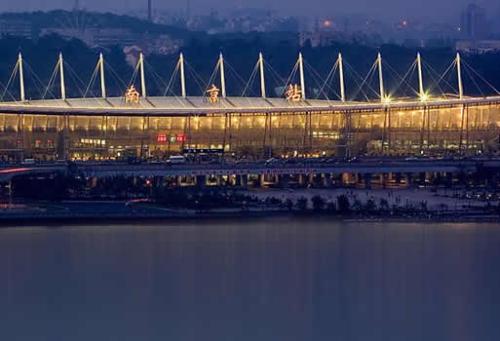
[16,28]
[150,10]
[473,22]
[188,9]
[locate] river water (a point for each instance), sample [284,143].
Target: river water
[270,279]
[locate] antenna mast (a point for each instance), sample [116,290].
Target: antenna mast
[150,10]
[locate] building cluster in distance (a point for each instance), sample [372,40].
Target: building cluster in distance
[473,31]
[476,32]
[16,28]
[162,44]
[79,25]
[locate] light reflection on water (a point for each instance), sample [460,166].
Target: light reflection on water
[275,279]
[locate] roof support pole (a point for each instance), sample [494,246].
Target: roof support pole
[61,77]
[421,90]
[143,75]
[222,76]
[21,77]
[302,79]
[183,75]
[341,75]
[459,75]
[381,78]
[103,80]
[262,79]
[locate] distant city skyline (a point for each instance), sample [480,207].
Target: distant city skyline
[444,10]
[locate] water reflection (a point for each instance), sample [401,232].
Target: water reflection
[276,279]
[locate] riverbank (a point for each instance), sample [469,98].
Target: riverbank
[121,212]
[58,221]
[382,204]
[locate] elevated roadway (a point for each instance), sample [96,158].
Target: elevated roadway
[259,168]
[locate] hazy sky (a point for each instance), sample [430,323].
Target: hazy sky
[434,9]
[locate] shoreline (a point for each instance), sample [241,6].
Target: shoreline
[408,205]
[54,219]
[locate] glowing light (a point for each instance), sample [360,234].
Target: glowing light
[424,97]
[387,99]
[327,23]
[132,96]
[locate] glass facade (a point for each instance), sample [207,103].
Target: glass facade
[436,131]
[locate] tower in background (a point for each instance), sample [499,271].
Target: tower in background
[188,9]
[150,10]
[474,22]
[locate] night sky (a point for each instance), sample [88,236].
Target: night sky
[425,9]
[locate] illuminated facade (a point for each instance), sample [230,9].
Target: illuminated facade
[256,127]
[388,132]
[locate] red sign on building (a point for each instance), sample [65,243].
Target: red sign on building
[161,138]
[180,138]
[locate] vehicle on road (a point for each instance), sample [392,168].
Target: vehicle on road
[272,161]
[28,162]
[176,160]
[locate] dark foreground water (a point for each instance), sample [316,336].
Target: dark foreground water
[276,279]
